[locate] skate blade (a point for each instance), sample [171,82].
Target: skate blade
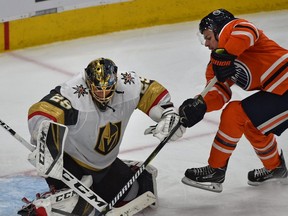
[283,181]
[210,186]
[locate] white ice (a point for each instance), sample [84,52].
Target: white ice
[172,55]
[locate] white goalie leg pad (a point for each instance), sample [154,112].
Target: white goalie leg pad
[136,205]
[61,201]
[48,154]
[150,168]
[153,171]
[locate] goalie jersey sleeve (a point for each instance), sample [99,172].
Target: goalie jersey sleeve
[261,63]
[94,136]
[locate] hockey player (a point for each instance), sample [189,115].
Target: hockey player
[96,107]
[241,54]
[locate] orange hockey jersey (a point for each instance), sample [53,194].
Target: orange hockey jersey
[261,63]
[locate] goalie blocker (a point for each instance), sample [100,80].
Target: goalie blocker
[49,158]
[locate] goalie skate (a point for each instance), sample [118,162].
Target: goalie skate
[210,186]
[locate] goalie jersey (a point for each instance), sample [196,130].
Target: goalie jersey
[94,136]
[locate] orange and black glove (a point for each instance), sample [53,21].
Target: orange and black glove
[223,64]
[192,111]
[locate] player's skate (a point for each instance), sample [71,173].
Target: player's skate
[206,178]
[259,176]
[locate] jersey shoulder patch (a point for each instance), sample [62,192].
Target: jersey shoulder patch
[77,92]
[129,83]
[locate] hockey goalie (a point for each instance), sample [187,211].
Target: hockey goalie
[78,128]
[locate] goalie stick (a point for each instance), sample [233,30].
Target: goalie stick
[70,180]
[151,156]
[139,171]
[86,193]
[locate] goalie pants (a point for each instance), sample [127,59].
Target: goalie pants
[106,183]
[258,117]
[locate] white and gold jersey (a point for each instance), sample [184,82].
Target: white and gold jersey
[94,136]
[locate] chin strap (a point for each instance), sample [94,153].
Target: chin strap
[119,92]
[103,107]
[110,107]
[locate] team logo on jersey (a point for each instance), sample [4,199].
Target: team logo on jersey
[80,90]
[242,77]
[108,138]
[127,77]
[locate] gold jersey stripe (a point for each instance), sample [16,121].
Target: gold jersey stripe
[48,110]
[150,96]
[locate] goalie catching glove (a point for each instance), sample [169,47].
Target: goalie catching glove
[168,121]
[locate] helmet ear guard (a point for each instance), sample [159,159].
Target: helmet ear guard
[101,78]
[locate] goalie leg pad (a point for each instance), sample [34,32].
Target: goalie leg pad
[56,203]
[147,180]
[136,205]
[48,155]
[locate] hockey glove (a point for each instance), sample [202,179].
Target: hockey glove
[169,120]
[192,111]
[222,64]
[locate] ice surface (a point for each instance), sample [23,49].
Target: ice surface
[170,54]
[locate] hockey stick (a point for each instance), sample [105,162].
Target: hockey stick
[139,171]
[151,157]
[70,180]
[85,192]
[209,86]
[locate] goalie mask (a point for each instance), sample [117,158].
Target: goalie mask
[101,79]
[215,21]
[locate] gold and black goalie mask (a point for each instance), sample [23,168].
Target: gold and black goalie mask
[101,79]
